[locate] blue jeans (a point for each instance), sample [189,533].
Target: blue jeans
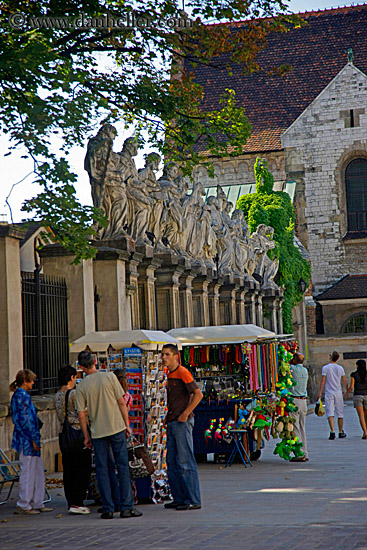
[181,464]
[102,448]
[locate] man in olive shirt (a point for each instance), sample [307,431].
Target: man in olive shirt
[102,395]
[183,395]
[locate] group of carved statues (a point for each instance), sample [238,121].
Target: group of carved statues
[162,213]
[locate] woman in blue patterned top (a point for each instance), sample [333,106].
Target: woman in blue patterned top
[27,441]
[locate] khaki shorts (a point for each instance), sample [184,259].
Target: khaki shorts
[360,401]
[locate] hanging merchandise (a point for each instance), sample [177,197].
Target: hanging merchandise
[247,381]
[283,424]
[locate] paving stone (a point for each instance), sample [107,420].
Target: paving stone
[274,505]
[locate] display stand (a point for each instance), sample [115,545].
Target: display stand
[146,380]
[238,448]
[234,366]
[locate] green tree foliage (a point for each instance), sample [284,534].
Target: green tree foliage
[52,82]
[275,208]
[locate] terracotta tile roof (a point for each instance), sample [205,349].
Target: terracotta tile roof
[316,53]
[350,286]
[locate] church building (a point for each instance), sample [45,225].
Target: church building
[311,127]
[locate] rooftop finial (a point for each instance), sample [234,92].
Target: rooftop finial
[350,55]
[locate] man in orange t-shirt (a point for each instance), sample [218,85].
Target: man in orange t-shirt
[183,395]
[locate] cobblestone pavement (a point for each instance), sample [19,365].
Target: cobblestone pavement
[274,505]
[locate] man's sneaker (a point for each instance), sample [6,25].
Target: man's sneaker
[332,435]
[342,434]
[107,515]
[79,510]
[30,512]
[189,507]
[133,513]
[171,505]
[44,509]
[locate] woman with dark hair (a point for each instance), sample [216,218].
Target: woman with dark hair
[358,383]
[121,377]
[77,465]
[27,441]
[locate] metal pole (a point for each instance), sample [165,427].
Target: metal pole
[37,281]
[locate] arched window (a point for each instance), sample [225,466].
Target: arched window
[356,189]
[356,324]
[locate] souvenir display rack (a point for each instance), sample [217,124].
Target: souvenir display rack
[146,380]
[133,366]
[236,376]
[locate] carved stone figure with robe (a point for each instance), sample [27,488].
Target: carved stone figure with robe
[172,222]
[245,259]
[107,181]
[193,235]
[147,174]
[265,267]
[224,238]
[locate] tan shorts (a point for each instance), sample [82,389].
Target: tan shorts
[360,401]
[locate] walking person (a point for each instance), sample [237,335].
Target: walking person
[332,376]
[183,395]
[299,394]
[77,464]
[358,383]
[27,441]
[103,396]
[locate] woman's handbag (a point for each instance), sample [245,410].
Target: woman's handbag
[319,408]
[140,463]
[70,439]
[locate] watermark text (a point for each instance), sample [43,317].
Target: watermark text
[20,20]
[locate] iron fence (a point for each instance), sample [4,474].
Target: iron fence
[45,328]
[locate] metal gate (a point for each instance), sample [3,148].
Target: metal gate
[45,328]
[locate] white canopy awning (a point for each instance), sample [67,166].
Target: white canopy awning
[119,339]
[223,334]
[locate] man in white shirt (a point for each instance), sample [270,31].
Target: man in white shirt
[332,375]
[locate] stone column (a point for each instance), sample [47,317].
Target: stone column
[213,297]
[250,307]
[11,341]
[132,288]
[271,320]
[227,301]
[147,297]
[113,308]
[259,309]
[200,300]
[167,289]
[280,315]
[185,290]
[240,305]
[80,285]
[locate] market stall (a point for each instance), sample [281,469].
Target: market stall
[238,370]
[137,353]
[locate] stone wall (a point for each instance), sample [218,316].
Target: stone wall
[321,346]
[337,312]
[49,433]
[240,170]
[318,147]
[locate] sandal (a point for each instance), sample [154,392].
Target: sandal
[299,459]
[364,436]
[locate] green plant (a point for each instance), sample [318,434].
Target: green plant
[275,208]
